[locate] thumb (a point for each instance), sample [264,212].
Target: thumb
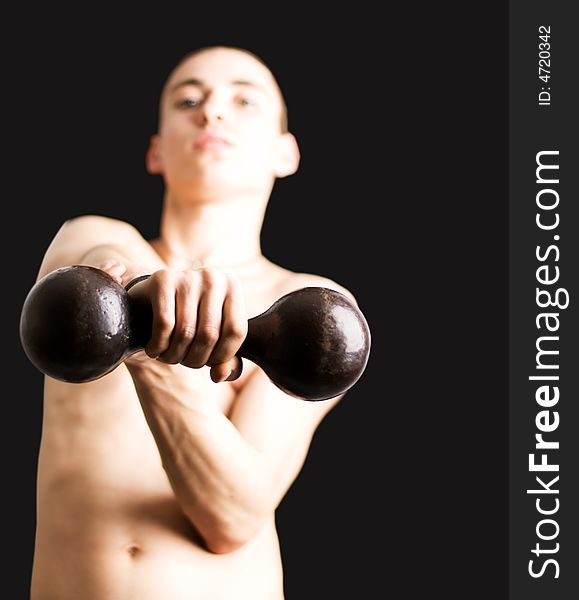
[227,371]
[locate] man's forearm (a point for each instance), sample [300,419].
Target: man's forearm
[219,479]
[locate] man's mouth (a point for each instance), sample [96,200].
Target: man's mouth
[208,140]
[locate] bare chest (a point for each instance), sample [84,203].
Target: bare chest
[99,430]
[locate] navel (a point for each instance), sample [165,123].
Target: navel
[133,550]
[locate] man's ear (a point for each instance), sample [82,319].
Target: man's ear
[153,156]
[288,155]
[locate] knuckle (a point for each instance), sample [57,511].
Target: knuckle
[185,331]
[186,279]
[238,330]
[164,323]
[162,277]
[211,277]
[208,334]
[187,284]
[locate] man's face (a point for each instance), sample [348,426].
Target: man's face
[220,126]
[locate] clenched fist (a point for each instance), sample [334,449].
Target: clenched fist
[199,317]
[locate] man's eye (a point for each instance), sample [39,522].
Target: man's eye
[188,103]
[246,102]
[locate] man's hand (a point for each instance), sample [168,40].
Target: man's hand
[199,317]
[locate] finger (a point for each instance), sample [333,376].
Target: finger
[186,303]
[233,324]
[107,264]
[112,265]
[114,269]
[209,316]
[227,371]
[162,296]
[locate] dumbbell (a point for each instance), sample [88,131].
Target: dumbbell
[78,324]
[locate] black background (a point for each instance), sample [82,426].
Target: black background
[401,197]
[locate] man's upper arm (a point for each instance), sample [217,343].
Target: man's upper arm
[79,235]
[278,426]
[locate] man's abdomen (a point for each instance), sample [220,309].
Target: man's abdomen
[148,551]
[109,526]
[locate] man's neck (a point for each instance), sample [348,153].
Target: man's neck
[222,234]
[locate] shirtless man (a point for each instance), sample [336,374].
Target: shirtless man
[160,480]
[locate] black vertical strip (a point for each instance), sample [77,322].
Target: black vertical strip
[543,103]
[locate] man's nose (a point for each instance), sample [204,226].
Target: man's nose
[212,110]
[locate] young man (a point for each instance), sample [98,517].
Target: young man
[160,480]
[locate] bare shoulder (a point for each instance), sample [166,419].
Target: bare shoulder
[93,223]
[288,281]
[81,233]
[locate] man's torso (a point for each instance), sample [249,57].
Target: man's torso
[109,526]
